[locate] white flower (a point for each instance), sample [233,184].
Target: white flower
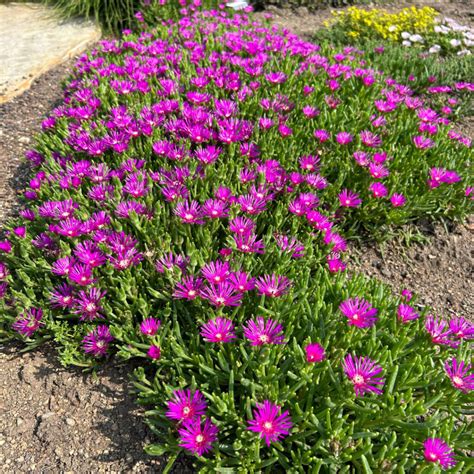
[416,38]
[468,42]
[455,43]
[392,28]
[438,29]
[405,35]
[406,43]
[436,48]
[464,52]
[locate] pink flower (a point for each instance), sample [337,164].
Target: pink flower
[218,330]
[439,331]
[363,374]
[423,143]
[150,326]
[344,138]
[398,200]
[272,285]
[197,438]
[436,450]
[261,332]
[349,198]
[406,313]
[359,312]
[29,322]
[186,405]
[270,422]
[315,352]
[154,352]
[461,328]
[97,341]
[458,372]
[378,190]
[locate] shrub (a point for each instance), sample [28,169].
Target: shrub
[196,183]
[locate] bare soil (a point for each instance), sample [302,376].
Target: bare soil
[63,420]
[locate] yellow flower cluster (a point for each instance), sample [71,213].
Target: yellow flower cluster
[379,23]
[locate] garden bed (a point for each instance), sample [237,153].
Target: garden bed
[448,249]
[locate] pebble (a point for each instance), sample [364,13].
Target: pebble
[24,140]
[70,422]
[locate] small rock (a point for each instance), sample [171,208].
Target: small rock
[24,140]
[19,422]
[70,422]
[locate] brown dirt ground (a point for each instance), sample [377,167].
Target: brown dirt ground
[58,420]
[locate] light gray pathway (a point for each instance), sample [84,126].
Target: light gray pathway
[33,40]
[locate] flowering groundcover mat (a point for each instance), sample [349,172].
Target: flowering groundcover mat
[190,206]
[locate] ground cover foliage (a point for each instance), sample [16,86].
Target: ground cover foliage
[189,207]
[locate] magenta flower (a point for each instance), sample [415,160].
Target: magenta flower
[218,330]
[154,352]
[439,331]
[241,225]
[406,313]
[270,422]
[97,341]
[223,294]
[422,142]
[363,373]
[189,213]
[315,352]
[186,405]
[216,272]
[349,198]
[398,200]
[150,326]
[436,450]
[196,438]
[359,312]
[188,288]
[29,322]
[458,372]
[242,281]
[344,138]
[461,328]
[87,304]
[407,295]
[62,296]
[378,190]
[370,139]
[378,171]
[81,274]
[261,331]
[272,285]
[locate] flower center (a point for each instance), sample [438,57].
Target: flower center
[192,292]
[199,438]
[358,379]
[218,335]
[186,411]
[268,426]
[458,381]
[264,338]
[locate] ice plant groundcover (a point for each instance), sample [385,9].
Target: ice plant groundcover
[190,205]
